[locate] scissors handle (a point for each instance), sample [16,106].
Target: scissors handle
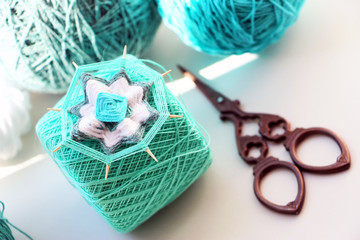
[291,140]
[262,169]
[267,124]
[264,165]
[246,143]
[297,136]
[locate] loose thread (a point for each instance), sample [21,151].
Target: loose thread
[5,231]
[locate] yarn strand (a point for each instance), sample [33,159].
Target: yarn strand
[5,231]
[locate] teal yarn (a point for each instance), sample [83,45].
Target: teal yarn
[137,186]
[46,36]
[5,231]
[229,26]
[110,107]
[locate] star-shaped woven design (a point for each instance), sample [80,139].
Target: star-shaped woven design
[113,112]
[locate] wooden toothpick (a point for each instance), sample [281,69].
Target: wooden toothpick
[151,154]
[166,73]
[56,149]
[175,116]
[54,109]
[107,171]
[75,65]
[124,52]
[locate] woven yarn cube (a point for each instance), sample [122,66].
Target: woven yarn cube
[137,186]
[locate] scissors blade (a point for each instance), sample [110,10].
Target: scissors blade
[216,98]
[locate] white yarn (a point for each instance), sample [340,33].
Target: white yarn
[128,127]
[14,104]
[14,119]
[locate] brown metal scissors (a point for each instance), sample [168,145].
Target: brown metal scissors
[230,110]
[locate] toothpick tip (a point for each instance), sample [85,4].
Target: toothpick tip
[56,149]
[151,154]
[124,52]
[175,116]
[107,171]
[54,109]
[75,65]
[166,73]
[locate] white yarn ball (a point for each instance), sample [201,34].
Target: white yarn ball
[14,119]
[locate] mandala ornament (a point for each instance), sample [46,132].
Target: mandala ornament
[114,112]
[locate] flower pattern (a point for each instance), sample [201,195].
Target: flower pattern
[113,112]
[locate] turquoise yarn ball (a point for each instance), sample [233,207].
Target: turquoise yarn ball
[46,36]
[229,26]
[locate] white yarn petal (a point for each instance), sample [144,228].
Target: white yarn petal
[89,125]
[87,109]
[126,128]
[134,95]
[120,86]
[93,88]
[140,113]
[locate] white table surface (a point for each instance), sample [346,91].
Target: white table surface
[311,77]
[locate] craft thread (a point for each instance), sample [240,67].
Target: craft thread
[5,231]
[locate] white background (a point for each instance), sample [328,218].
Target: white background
[311,77]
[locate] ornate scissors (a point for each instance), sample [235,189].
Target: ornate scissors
[230,110]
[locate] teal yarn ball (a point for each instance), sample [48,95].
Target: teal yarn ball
[136,186]
[229,26]
[46,36]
